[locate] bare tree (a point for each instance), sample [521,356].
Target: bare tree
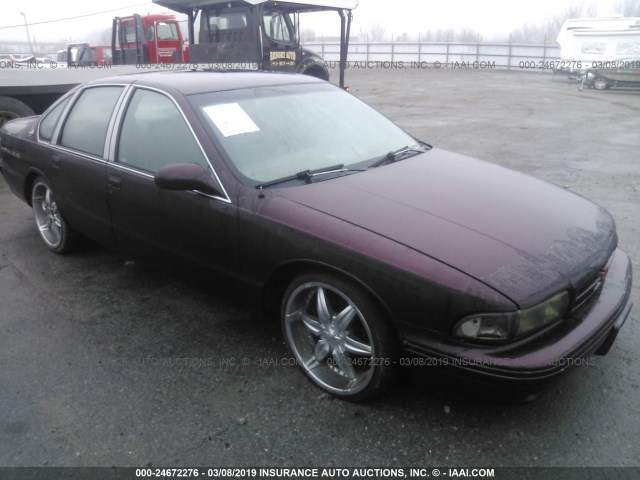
[377,32]
[548,31]
[445,35]
[427,36]
[629,8]
[467,35]
[525,34]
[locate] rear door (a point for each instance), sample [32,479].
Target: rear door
[149,221]
[79,158]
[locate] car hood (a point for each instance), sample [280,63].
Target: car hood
[524,237]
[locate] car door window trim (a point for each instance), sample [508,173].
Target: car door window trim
[117,127]
[57,134]
[61,119]
[147,175]
[78,153]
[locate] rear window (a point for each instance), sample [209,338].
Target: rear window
[50,120]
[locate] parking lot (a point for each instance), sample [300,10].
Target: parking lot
[108,362]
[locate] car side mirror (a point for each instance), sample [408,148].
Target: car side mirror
[186,176]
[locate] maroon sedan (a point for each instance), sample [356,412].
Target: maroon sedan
[379,250]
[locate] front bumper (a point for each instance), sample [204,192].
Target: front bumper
[535,361]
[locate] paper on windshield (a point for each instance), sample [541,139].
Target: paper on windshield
[231,119]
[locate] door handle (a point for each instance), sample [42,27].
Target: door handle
[55,161]
[114,183]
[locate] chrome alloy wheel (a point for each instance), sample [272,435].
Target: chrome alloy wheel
[330,338]
[48,218]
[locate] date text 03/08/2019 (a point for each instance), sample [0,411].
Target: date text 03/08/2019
[312,472]
[578,65]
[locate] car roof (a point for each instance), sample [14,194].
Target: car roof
[194,82]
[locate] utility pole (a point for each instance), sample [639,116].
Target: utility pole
[28,36]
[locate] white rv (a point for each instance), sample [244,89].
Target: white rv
[604,39]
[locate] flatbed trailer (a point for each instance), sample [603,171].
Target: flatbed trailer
[30,89]
[267,39]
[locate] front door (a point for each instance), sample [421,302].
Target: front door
[148,220]
[164,43]
[281,51]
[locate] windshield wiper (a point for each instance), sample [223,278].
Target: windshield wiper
[309,175]
[396,155]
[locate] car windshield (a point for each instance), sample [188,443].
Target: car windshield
[271,132]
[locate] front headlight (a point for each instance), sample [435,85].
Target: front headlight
[511,325]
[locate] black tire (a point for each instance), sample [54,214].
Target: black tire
[339,337]
[11,108]
[601,84]
[53,229]
[317,72]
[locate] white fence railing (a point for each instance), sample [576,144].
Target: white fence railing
[496,55]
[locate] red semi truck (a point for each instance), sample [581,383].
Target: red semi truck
[141,39]
[136,39]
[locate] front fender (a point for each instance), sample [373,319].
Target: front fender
[313,65]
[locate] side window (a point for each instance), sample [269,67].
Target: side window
[226,26]
[130,33]
[48,123]
[167,31]
[86,126]
[228,20]
[276,28]
[106,54]
[154,134]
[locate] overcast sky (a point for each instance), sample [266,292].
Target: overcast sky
[488,17]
